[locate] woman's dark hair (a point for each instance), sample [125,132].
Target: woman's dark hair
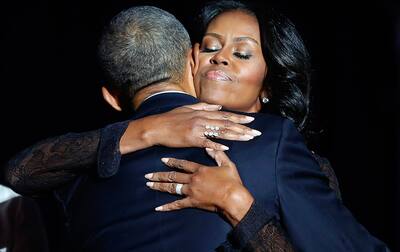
[288,78]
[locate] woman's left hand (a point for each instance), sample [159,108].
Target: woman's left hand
[217,189]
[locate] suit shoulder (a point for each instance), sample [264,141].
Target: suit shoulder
[273,121]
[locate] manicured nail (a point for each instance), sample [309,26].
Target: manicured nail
[209,149]
[150,184]
[148,175]
[159,208]
[248,119]
[213,107]
[223,147]
[255,132]
[246,137]
[164,160]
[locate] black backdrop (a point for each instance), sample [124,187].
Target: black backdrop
[49,86]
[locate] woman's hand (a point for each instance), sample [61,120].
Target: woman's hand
[187,126]
[217,189]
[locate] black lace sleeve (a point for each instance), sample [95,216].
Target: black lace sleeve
[55,161]
[52,162]
[327,169]
[271,238]
[257,231]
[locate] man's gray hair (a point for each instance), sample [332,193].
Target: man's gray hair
[141,46]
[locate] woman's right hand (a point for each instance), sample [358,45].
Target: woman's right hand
[186,126]
[213,188]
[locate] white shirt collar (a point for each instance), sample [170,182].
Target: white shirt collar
[165,92]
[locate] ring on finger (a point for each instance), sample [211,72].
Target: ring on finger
[178,188]
[211,127]
[211,131]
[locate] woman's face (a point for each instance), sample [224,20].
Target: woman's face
[231,66]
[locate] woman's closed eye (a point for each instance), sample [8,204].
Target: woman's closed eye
[209,49]
[242,55]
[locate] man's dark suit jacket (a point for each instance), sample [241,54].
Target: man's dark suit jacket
[117,214]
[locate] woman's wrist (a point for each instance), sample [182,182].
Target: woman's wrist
[138,135]
[236,204]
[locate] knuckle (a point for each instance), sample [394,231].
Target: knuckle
[189,191]
[195,179]
[201,170]
[196,121]
[198,114]
[180,164]
[226,115]
[213,145]
[171,162]
[204,142]
[227,123]
[177,204]
[171,176]
[167,207]
[171,188]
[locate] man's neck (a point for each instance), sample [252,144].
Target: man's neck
[153,89]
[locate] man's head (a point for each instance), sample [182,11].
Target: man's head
[142,46]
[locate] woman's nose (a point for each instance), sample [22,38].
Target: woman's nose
[218,59]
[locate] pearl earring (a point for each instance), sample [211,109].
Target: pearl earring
[265,100]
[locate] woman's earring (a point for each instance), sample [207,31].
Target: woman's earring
[265,100]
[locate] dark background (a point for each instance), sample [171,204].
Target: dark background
[49,85]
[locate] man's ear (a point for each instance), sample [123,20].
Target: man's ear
[195,56]
[110,99]
[187,84]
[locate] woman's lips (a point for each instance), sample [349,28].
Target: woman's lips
[218,75]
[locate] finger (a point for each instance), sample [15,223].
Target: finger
[204,106]
[176,205]
[220,157]
[166,187]
[226,134]
[223,115]
[181,164]
[207,143]
[226,126]
[172,176]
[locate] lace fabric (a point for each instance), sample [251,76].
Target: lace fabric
[271,238]
[52,162]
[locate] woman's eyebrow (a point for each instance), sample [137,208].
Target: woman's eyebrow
[237,39]
[212,34]
[240,39]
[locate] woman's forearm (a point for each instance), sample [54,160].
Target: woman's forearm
[55,161]
[52,162]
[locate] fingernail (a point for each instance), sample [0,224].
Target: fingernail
[209,149]
[248,119]
[213,107]
[164,160]
[246,137]
[255,132]
[150,184]
[148,175]
[159,208]
[223,147]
